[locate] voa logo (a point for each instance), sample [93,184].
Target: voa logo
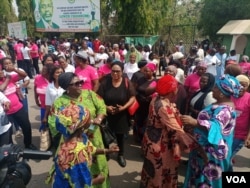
[236,179]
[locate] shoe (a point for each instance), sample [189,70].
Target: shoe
[18,134]
[31,147]
[121,161]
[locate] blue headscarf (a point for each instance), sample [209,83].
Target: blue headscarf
[228,85]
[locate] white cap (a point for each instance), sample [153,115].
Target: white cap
[177,55]
[86,38]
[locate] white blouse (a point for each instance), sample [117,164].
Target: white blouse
[52,93]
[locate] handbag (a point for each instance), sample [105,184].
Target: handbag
[4,119]
[45,140]
[132,108]
[108,136]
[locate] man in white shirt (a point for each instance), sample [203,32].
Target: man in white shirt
[212,62]
[101,57]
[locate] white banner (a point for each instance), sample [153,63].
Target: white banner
[18,30]
[67,15]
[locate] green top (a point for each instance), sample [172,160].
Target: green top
[89,99]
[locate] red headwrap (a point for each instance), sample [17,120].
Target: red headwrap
[166,84]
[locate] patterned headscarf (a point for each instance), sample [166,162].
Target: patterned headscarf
[166,84]
[71,118]
[229,85]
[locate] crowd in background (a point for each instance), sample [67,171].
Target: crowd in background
[194,100]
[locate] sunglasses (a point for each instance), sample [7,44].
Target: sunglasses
[77,84]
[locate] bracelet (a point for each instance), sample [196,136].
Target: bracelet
[104,151]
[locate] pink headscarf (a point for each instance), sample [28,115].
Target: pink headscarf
[151,66]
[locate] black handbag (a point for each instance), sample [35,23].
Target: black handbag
[4,119]
[108,136]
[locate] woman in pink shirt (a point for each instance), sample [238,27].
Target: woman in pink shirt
[105,69]
[16,110]
[192,82]
[86,72]
[34,53]
[242,106]
[40,84]
[245,65]
[19,55]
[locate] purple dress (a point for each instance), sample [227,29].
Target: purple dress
[216,140]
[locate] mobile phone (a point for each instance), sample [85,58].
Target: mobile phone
[91,127]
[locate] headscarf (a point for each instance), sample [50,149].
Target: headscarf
[199,104]
[166,84]
[82,55]
[65,78]
[202,64]
[210,82]
[243,78]
[228,85]
[70,118]
[151,66]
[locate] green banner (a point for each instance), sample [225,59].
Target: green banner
[142,40]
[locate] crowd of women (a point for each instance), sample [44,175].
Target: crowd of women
[188,109]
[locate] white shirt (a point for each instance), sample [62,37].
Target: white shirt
[69,68]
[200,53]
[52,93]
[101,57]
[3,99]
[212,62]
[91,58]
[180,76]
[130,69]
[25,52]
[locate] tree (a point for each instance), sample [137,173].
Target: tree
[134,17]
[7,15]
[25,10]
[216,14]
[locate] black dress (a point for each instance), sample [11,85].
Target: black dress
[119,123]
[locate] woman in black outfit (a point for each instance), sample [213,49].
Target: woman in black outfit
[118,94]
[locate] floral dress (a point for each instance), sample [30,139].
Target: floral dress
[95,104]
[72,164]
[163,141]
[219,120]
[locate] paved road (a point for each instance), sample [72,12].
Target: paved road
[120,177]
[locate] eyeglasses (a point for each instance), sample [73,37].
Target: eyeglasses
[77,84]
[116,71]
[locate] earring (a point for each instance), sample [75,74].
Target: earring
[221,95]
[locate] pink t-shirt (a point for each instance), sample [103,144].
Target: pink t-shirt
[153,84]
[242,107]
[34,51]
[104,70]
[19,54]
[87,74]
[193,82]
[41,83]
[10,93]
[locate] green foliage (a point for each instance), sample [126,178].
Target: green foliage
[134,17]
[7,15]
[215,14]
[26,14]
